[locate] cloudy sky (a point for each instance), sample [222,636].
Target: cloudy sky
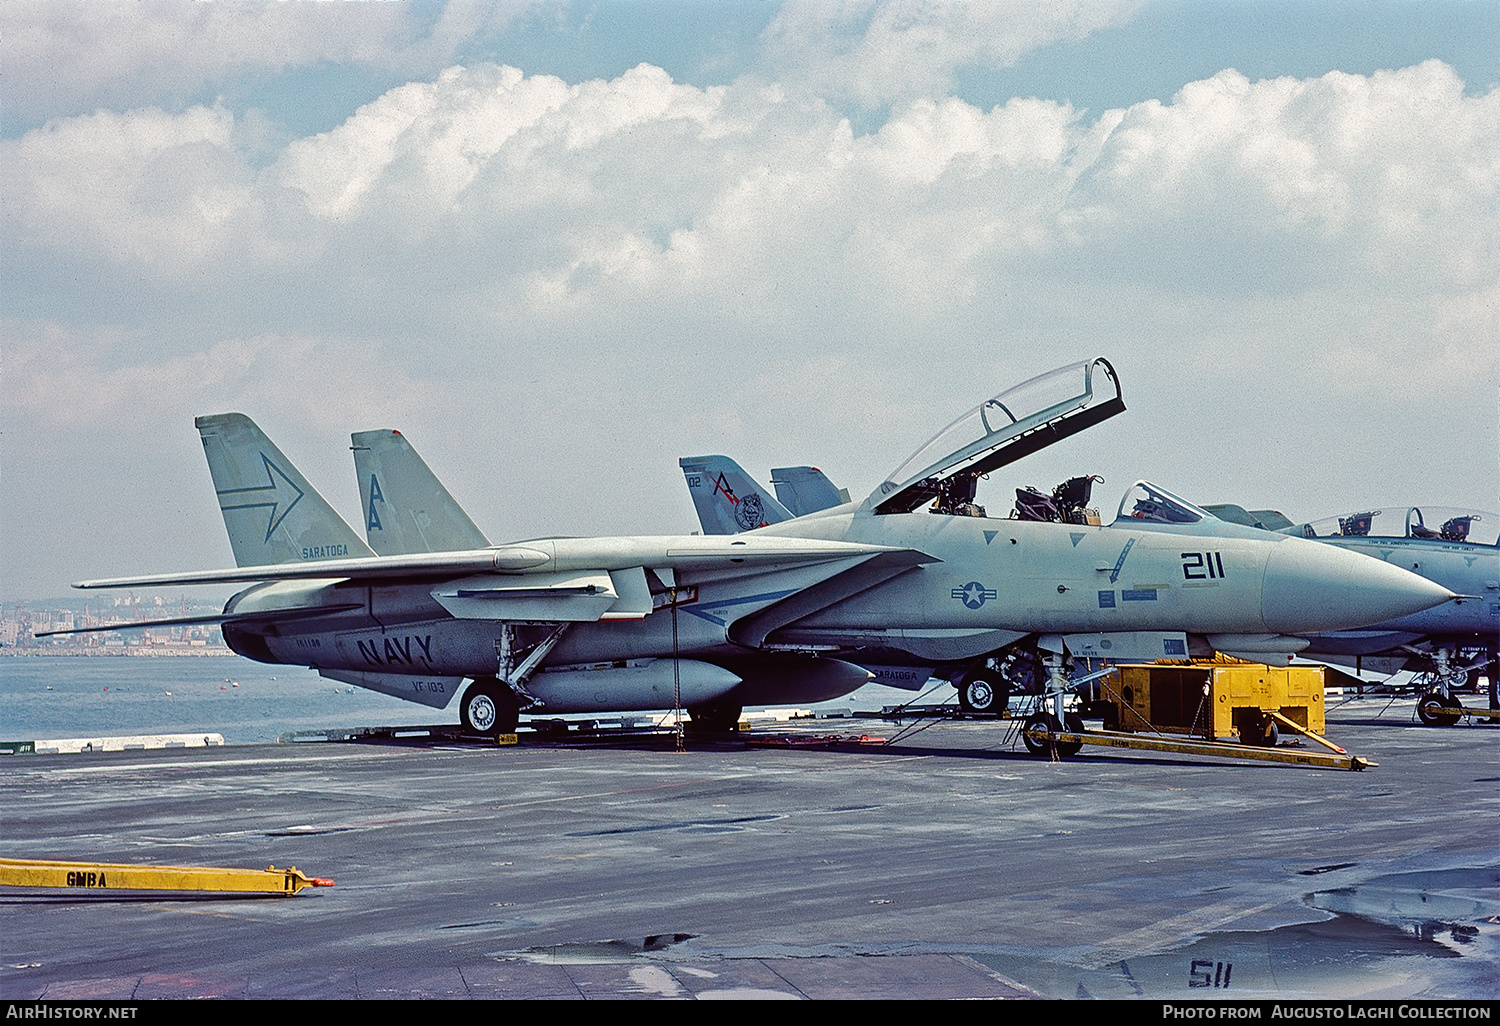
[561,245]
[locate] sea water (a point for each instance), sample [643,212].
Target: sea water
[247,702]
[46,697]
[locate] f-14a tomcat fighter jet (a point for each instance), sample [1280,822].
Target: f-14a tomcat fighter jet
[1450,645]
[914,574]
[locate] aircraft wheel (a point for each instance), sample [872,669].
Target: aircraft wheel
[1272,736]
[1034,722]
[720,719]
[983,694]
[1073,724]
[1262,733]
[489,708]
[1429,708]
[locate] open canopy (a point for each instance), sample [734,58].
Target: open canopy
[1017,422]
[1429,523]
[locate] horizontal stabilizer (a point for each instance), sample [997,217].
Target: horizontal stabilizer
[432,691]
[175,621]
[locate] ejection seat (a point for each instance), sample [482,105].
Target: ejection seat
[1357,525]
[1068,503]
[1457,529]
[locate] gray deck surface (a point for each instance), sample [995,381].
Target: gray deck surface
[947,865]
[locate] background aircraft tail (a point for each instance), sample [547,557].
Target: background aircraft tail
[272,514]
[406,508]
[727,499]
[805,490]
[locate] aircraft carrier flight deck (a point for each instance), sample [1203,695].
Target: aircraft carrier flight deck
[949,864]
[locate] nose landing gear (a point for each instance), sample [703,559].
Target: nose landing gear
[1072,723]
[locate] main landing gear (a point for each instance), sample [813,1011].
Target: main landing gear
[986,690]
[983,693]
[489,708]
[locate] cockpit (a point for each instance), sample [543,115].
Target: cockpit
[1424,523]
[1143,503]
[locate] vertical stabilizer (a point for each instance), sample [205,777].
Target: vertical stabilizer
[272,514]
[805,490]
[406,508]
[727,499]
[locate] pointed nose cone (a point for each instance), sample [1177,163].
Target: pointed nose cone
[1312,587]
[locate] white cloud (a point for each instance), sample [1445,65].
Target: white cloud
[60,378]
[878,53]
[532,198]
[1398,171]
[65,58]
[431,141]
[585,281]
[143,187]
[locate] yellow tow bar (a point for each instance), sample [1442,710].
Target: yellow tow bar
[95,877]
[1458,710]
[1338,759]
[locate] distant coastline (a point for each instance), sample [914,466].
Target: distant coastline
[134,651]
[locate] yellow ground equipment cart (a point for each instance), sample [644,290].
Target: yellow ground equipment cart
[1219,699]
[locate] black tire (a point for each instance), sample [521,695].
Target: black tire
[717,719]
[1036,721]
[982,693]
[1429,706]
[1072,723]
[1272,737]
[1262,733]
[489,709]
